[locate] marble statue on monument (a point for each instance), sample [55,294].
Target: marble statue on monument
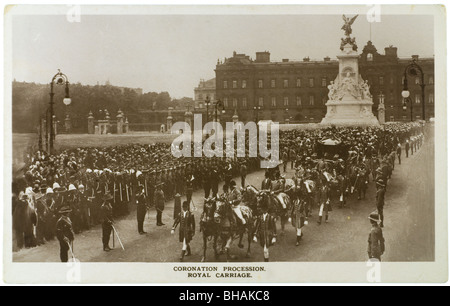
[349,98]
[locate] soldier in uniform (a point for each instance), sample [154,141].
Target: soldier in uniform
[375,246]
[108,221]
[189,188]
[298,214]
[64,233]
[381,191]
[159,204]
[265,230]
[142,207]
[234,198]
[399,153]
[187,229]
[243,171]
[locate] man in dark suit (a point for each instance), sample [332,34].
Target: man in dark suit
[187,229]
[399,153]
[375,246]
[159,204]
[407,147]
[64,233]
[265,230]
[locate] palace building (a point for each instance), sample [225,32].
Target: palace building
[296,91]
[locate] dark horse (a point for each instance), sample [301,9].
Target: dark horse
[226,231]
[275,208]
[208,226]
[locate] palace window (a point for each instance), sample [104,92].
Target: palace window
[225,84]
[260,83]
[324,82]
[234,102]
[299,101]
[261,101]
[234,84]
[285,83]
[274,102]
[381,81]
[299,82]
[431,80]
[417,99]
[431,98]
[225,102]
[311,82]
[417,81]
[311,100]
[369,57]
[286,101]
[273,83]
[244,83]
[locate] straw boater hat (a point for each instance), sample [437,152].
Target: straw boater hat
[374,216]
[58,188]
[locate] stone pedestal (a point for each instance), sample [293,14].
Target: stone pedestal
[381,113]
[119,118]
[169,120]
[91,129]
[125,126]
[68,124]
[350,101]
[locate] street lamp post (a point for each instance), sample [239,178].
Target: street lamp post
[58,79]
[413,69]
[207,102]
[257,109]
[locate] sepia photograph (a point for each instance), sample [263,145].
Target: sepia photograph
[211,144]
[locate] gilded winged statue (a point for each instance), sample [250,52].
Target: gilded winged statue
[347,27]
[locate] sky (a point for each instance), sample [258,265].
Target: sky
[173,52]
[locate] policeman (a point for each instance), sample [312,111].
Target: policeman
[108,221]
[64,233]
[141,201]
[375,246]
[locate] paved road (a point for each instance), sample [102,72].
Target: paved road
[409,228]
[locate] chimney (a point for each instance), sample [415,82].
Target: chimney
[326,59]
[306,59]
[285,60]
[262,57]
[415,57]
